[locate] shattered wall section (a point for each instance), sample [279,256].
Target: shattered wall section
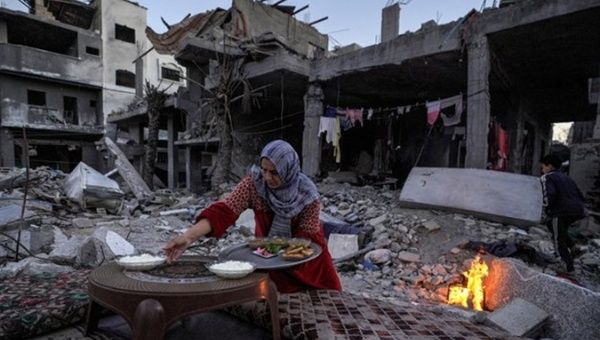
[253,19]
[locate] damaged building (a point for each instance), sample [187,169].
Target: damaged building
[479,92]
[64,66]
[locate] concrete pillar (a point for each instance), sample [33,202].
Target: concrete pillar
[3,32]
[172,169]
[390,22]
[7,148]
[478,103]
[193,169]
[537,152]
[139,77]
[136,133]
[311,143]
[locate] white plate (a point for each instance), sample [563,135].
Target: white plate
[139,266]
[230,274]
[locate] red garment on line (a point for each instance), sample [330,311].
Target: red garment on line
[318,273]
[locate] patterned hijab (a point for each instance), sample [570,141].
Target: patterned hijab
[295,192]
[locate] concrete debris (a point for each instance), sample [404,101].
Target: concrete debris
[342,245]
[519,318]
[512,279]
[11,214]
[494,195]
[379,256]
[89,188]
[103,245]
[399,255]
[127,171]
[409,257]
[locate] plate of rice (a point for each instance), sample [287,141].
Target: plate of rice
[231,269]
[140,262]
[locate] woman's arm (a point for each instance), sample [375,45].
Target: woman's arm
[214,220]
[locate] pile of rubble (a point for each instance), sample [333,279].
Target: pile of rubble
[418,254]
[400,254]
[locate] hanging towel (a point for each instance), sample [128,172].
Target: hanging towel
[337,134]
[327,125]
[433,112]
[355,115]
[452,119]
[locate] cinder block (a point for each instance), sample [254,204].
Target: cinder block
[519,318]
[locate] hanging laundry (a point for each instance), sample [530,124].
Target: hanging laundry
[327,125]
[355,115]
[369,114]
[330,112]
[452,110]
[337,134]
[433,112]
[345,124]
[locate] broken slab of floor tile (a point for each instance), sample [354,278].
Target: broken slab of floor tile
[493,195]
[519,318]
[574,311]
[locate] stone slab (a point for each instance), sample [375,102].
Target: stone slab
[492,195]
[11,214]
[574,311]
[519,318]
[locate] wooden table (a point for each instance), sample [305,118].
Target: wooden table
[151,308]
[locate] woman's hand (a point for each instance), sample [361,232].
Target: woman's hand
[176,247]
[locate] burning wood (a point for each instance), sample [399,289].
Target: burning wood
[474,291]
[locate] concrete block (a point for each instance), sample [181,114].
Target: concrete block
[492,195]
[11,214]
[574,311]
[341,245]
[409,257]
[519,318]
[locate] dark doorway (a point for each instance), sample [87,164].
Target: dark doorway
[70,110]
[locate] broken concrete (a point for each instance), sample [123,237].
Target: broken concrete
[92,189]
[519,318]
[493,195]
[104,245]
[511,279]
[11,214]
[340,245]
[135,182]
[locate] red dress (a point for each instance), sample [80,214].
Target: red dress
[318,273]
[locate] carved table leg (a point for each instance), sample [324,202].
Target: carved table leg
[272,299]
[93,317]
[149,320]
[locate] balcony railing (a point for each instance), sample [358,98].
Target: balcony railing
[24,59]
[39,117]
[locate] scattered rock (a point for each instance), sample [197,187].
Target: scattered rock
[431,225]
[379,256]
[409,257]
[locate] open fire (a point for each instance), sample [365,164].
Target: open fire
[473,293]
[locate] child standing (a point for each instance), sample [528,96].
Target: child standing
[564,205]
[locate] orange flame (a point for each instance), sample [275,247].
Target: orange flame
[474,290]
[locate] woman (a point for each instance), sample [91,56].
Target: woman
[285,203]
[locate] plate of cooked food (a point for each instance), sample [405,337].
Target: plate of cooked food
[273,252]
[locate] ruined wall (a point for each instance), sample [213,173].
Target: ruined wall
[81,68]
[584,165]
[260,19]
[14,108]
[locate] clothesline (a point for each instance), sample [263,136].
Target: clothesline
[340,111]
